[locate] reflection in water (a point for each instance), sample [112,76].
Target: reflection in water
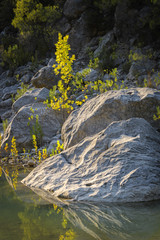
[26,216]
[128,222]
[139,221]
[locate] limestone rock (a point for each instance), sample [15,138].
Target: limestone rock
[36,95]
[119,164]
[45,77]
[104,50]
[139,68]
[50,122]
[9,92]
[104,43]
[6,115]
[26,78]
[97,113]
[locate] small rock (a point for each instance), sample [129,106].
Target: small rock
[45,77]
[31,163]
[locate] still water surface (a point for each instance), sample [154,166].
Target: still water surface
[26,216]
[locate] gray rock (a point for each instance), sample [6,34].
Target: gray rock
[82,31]
[51,62]
[104,51]
[6,115]
[105,42]
[48,121]
[64,26]
[22,71]
[6,104]
[74,8]
[99,112]
[9,92]
[45,77]
[6,81]
[26,78]
[92,76]
[140,68]
[53,143]
[34,96]
[119,164]
[11,89]
[6,96]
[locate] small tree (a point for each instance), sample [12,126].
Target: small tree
[35,23]
[64,68]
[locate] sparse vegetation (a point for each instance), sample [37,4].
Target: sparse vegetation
[5,125]
[18,159]
[21,91]
[157,115]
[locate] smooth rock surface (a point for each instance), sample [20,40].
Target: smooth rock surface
[119,164]
[97,113]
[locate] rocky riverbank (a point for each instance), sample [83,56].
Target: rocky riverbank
[111,142]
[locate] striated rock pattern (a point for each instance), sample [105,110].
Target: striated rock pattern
[119,164]
[97,113]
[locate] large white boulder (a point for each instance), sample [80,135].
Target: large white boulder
[119,164]
[97,113]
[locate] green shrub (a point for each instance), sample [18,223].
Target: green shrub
[5,125]
[35,24]
[15,56]
[157,115]
[20,92]
[102,4]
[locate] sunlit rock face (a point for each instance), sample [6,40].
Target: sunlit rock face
[97,113]
[119,164]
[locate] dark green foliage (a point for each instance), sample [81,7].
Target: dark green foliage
[103,4]
[35,23]
[15,56]
[33,30]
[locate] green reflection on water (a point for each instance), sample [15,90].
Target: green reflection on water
[30,218]
[26,216]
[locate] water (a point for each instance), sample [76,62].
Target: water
[26,216]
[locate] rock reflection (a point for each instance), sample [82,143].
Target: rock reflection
[139,221]
[127,222]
